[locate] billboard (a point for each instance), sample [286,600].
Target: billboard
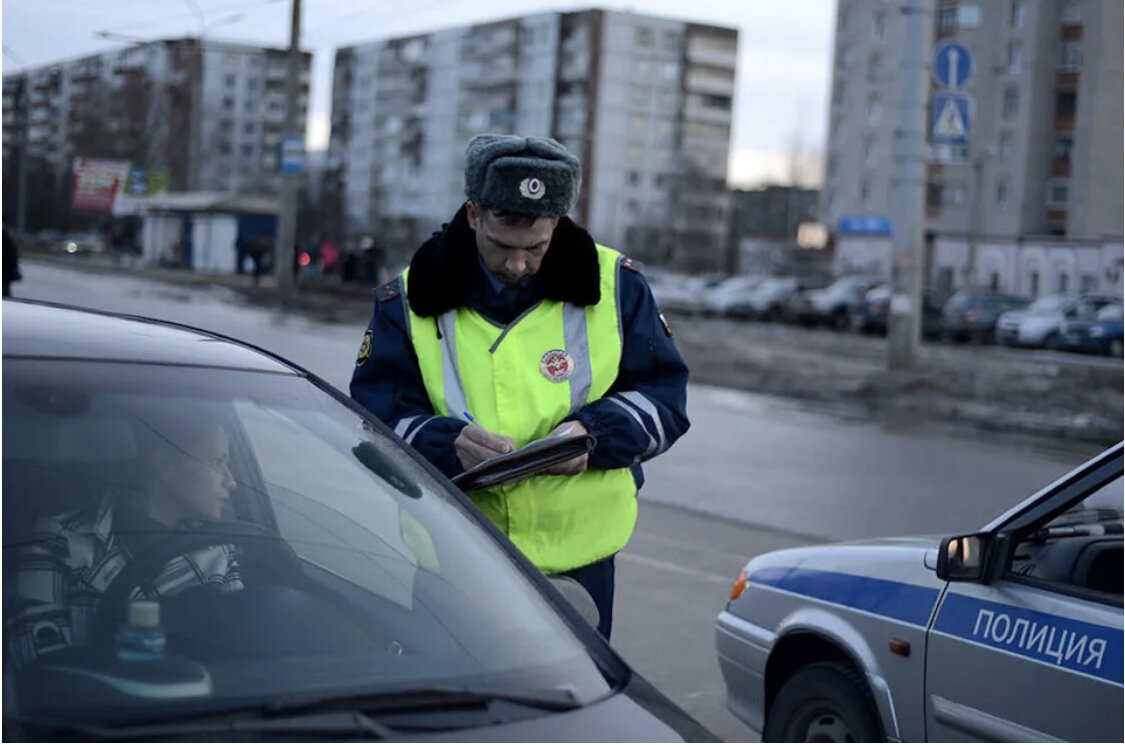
[97,182]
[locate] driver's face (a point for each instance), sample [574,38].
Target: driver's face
[204,480]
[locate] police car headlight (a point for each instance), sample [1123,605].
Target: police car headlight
[72,248]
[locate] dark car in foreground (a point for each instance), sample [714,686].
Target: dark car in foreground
[1101,334]
[971,315]
[1010,633]
[362,596]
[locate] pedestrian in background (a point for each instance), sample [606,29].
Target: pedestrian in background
[511,323]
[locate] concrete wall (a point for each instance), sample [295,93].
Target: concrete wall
[1011,266]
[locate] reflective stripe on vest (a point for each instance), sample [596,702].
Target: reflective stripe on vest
[513,382]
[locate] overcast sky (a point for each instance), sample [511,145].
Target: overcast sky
[783,76]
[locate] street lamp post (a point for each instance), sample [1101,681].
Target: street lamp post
[904,317]
[285,248]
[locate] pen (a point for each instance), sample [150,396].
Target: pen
[468,416]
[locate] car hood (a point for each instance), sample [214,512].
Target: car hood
[909,560]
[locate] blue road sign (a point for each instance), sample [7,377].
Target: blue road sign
[950,119]
[292,155]
[864,225]
[953,65]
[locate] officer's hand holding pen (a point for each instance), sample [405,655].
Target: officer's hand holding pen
[475,444]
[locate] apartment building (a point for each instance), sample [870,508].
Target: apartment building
[645,102]
[207,114]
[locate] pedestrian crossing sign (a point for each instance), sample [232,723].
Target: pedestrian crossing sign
[950,122]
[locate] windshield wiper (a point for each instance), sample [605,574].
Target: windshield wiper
[341,715]
[343,724]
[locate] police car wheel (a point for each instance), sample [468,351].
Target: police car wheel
[824,702]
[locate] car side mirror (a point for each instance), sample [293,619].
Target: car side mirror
[578,597]
[965,558]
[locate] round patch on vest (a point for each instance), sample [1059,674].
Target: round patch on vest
[533,188]
[557,366]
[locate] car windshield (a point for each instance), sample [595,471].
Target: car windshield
[293,550]
[774,286]
[1046,305]
[1110,313]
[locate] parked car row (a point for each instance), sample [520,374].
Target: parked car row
[1081,323]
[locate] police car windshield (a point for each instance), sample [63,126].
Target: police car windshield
[293,550]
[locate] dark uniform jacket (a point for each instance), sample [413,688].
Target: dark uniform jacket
[446,273]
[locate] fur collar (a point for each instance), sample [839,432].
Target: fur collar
[443,269]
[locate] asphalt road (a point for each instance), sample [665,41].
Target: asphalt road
[753,474]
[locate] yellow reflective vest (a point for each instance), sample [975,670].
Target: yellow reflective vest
[521,381]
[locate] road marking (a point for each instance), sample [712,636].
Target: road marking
[670,567]
[688,545]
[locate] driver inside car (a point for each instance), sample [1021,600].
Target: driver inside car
[53,598]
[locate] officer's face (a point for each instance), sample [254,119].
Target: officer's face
[513,252]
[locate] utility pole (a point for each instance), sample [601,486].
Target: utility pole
[904,319]
[285,248]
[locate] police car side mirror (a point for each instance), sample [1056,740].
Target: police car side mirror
[965,558]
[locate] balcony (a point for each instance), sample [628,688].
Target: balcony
[702,53]
[701,82]
[697,113]
[1060,167]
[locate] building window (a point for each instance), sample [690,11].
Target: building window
[644,36]
[247,151]
[865,193]
[947,18]
[953,194]
[838,93]
[1064,283]
[1063,145]
[1072,55]
[639,95]
[1018,14]
[874,111]
[248,128]
[1072,12]
[833,166]
[879,27]
[875,67]
[670,71]
[1058,192]
[228,104]
[1065,104]
[1035,284]
[870,153]
[843,55]
[231,81]
[844,22]
[1011,104]
[1001,193]
[1007,147]
[968,15]
[634,178]
[671,41]
[637,124]
[1089,284]
[1015,57]
[994,281]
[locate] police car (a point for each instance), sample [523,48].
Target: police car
[1013,633]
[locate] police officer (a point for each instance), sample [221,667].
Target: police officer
[510,324]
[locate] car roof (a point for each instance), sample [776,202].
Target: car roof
[52,331]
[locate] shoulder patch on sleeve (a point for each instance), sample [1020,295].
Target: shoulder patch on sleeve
[364,348]
[389,291]
[627,263]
